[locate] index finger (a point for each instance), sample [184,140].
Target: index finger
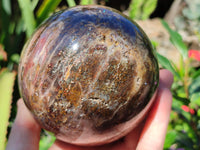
[153,134]
[25,132]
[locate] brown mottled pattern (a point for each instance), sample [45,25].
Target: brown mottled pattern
[87,64]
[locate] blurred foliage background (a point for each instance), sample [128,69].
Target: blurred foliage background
[19,19]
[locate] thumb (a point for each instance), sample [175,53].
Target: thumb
[154,131]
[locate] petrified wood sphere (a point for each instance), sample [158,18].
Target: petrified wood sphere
[88,75]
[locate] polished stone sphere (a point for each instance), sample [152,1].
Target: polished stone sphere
[88,75]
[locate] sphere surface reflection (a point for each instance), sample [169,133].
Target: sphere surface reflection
[88,74]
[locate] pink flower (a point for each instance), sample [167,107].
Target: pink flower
[195,54]
[192,111]
[187,109]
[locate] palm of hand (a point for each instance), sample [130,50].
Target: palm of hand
[150,134]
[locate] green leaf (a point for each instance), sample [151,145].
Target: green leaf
[170,139]
[7,6]
[45,9]
[194,86]
[148,8]
[34,4]
[86,2]
[185,141]
[141,9]
[6,88]
[46,141]
[15,58]
[181,67]
[5,20]
[28,16]
[19,26]
[3,54]
[195,74]
[154,44]
[176,40]
[165,63]
[195,100]
[71,3]
[198,113]
[183,100]
[135,9]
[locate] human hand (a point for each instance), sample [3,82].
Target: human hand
[148,135]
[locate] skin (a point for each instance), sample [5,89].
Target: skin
[149,135]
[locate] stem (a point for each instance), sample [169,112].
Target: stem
[186,81]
